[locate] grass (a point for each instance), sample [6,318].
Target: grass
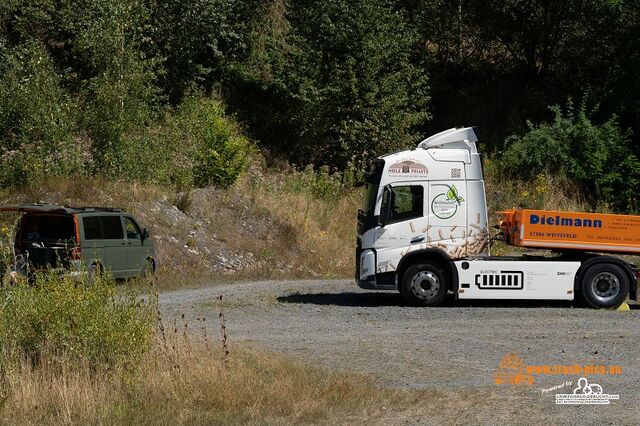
[190,382]
[78,352]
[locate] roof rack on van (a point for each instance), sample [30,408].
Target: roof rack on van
[45,207]
[96,209]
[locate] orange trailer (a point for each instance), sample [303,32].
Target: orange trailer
[547,229]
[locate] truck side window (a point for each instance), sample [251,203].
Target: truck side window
[408,202]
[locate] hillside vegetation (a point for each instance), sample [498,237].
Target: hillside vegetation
[183,94]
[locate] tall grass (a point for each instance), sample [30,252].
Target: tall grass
[74,353]
[192,384]
[60,320]
[320,216]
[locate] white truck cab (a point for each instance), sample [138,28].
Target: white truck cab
[423,230]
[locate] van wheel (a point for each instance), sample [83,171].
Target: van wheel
[424,285]
[604,286]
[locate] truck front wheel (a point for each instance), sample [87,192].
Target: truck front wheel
[423,285]
[604,285]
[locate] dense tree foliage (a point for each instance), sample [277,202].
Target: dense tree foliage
[97,86]
[341,81]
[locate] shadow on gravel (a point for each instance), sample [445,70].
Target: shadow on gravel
[395,299]
[345,299]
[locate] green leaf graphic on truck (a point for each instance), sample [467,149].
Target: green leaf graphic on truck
[445,205]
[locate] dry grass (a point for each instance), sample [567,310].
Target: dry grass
[189,383]
[320,232]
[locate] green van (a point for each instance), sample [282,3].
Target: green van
[82,239]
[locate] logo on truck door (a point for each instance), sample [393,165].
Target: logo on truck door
[445,205]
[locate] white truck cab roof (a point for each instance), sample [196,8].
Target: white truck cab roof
[451,154]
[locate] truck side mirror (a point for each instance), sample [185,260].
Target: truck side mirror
[145,233]
[385,208]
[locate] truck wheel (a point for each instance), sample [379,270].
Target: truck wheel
[604,286]
[424,285]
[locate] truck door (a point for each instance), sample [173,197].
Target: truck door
[447,218]
[406,224]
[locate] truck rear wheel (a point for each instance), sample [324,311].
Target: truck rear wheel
[423,285]
[604,285]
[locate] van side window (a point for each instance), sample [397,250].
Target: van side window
[92,229]
[408,202]
[133,232]
[102,228]
[112,227]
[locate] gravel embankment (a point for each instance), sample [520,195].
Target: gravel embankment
[452,352]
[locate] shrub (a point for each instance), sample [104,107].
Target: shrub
[219,152]
[65,320]
[317,183]
[194,145]
[597,158]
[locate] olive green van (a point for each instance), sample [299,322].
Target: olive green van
[83,239]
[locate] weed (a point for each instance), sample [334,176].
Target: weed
[60,319]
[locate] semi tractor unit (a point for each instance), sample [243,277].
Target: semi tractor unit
[423,231]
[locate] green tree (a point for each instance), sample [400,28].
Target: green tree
[497,63]
[338,77]
[37,119]
[120,88]
[199,39]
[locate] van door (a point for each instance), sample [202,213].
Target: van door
[104,242]
[136,250]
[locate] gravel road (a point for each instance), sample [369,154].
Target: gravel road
[451,353]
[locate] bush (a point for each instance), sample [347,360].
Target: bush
[219,152]
[317,183]
[194,145]
[65,320]
[597,158]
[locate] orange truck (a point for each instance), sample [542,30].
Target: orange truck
[562,231]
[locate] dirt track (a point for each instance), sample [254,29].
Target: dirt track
[452,352]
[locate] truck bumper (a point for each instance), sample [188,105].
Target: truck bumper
[368,283]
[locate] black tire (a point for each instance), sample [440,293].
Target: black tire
[604,285]
[424,284]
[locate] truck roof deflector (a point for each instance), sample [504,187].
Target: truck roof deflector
[465,135]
